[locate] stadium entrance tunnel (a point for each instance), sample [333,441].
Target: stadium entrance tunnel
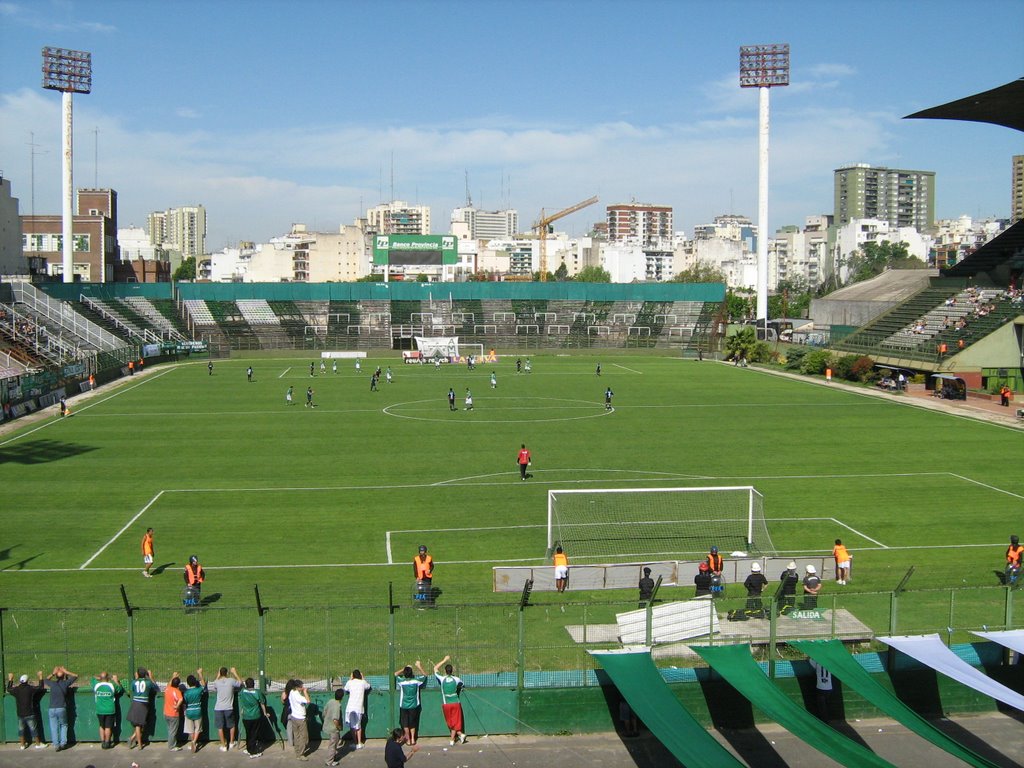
[500,410]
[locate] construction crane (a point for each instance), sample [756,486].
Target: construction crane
[542,228]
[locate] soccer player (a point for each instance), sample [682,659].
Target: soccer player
[334,367]
[523,460]
[409,705]
[323,366]
[309,397]
[288,395]
[469,400]
[209,367]
[608,395]
[494,380]
[451,690]
[373,383]
[842,557]
[312,370]
[451,400]
[529,366]
[248,374]
[147,553]
[561,563]
[519,365]
[387,375]
[355,708]
[359,366]
[63,407]
[598,369]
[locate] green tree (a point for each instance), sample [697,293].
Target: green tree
[741,343]
[562,273]
[791,299]
[740,307]
[186,270]
[700,272]
[874,258]
[593,275]
[370,278]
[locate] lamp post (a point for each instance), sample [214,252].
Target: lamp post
[68,72]
[761,67]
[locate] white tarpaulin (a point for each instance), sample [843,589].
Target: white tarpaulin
[437,346]
[1010,638]
[932,652]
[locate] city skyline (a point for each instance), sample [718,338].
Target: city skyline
[304,112]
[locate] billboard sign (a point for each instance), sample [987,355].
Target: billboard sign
[415,250]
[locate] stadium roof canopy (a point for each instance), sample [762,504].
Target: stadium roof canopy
[1000,106]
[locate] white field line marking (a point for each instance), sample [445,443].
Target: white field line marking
[127,525]
[858,533]
[539,471]
[986,485]
[484,528]
[86,406]
[387,545]
[631,370]
[285,372]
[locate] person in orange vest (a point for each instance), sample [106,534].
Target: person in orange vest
[842,556]
[561,563]
[92,381]
[194,578]
[423,568]
[147,553]
[1004,395]
[131,367]
[1014,552]
[715,562]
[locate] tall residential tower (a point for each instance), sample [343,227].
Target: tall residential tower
[901,198]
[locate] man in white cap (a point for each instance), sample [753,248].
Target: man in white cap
[755,584]
[24,694]
[789,579]
[812,586]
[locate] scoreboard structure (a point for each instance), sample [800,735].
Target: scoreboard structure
[415,250]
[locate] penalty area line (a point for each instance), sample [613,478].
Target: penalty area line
[284,372]
[631,370]
[858,533]
[117,535]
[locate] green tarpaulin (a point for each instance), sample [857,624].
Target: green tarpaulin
[737,666]
[639,681]
[833,656]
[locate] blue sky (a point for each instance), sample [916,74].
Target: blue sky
[272,112]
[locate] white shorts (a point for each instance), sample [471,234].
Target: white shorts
[353,719]
[844,564]
[147,559]
[193,726]
[561,571]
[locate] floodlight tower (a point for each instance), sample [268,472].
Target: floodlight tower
[68,72]
[761,67]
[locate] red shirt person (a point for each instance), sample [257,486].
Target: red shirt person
[523,460]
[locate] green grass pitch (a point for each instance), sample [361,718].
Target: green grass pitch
[325,506]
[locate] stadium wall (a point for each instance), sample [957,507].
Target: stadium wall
[594,709]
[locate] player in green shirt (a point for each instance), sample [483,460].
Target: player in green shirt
[105,690]
[253,706]
[409,706]
[451,690]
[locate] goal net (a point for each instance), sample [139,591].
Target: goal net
[615,524]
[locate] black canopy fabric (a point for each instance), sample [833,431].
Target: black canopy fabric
[1000,106]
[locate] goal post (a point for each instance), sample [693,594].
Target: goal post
[619,523]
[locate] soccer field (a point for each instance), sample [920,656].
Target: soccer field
[325,506]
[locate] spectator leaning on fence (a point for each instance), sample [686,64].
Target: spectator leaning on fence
[25,694]
[224,709]
[60,683]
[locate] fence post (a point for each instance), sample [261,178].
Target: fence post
[131,630]
[773,618]
[391,653]
[261,649]
[3,676]
[949,624]
[650,613]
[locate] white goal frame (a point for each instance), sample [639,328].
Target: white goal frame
[471,348]
[752,493]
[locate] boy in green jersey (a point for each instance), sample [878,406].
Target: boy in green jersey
[451,689]
[409,707]
[253,707]
[106,689]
